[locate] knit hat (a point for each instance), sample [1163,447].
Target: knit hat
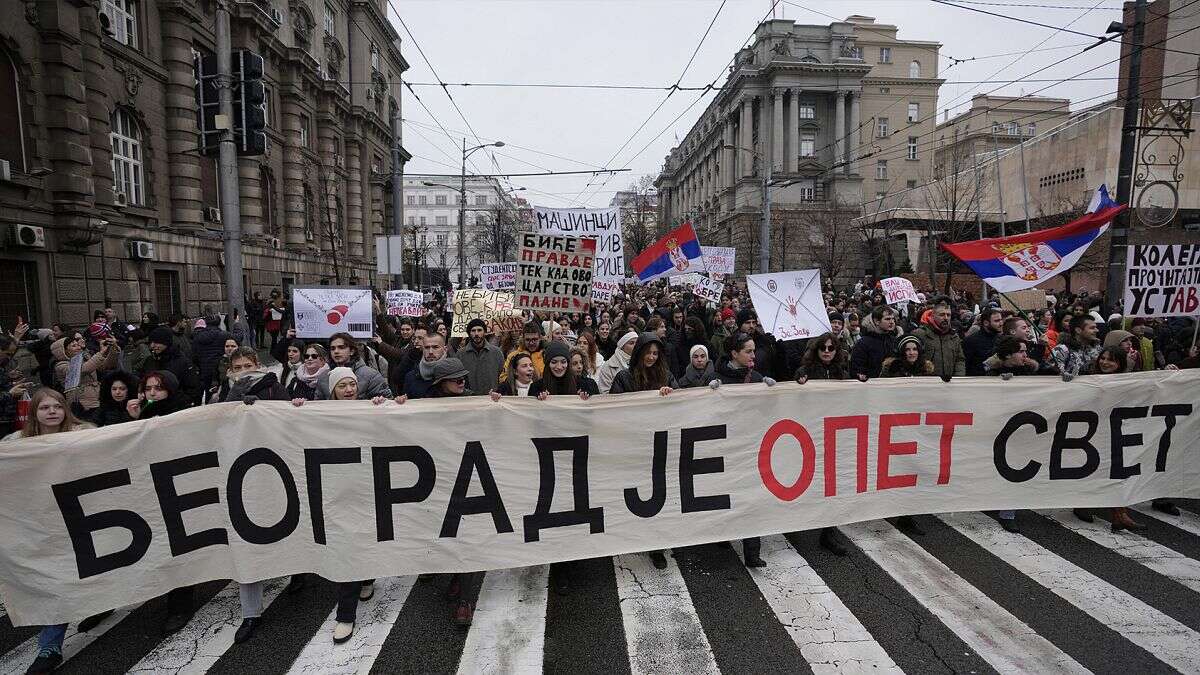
[1114,317]
[556,348]
[476,322]
[337,375]
[726,313]
[200,323]
[162,336]
[909,340]
[699,348]
[99,330]
[626,339]
[448,369]
[836,316]
[1116,337]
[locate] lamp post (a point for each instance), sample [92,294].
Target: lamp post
[764,227]
[462,205]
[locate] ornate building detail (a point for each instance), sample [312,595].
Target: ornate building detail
[302,24]
[133,78]
[31,13]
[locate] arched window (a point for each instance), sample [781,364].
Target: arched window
[127,169]
[914,69]
[12,124]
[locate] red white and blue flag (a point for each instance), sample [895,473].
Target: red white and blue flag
[1026,260]
[676,253]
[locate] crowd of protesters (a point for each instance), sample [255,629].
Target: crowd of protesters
[655,338]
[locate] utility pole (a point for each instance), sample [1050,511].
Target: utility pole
[231,216]
[978,199]
[1024,185]
[397,195]
[1119,232]
[462,219]
[764,233]
[999,186]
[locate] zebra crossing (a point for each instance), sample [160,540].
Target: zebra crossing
[1063,596]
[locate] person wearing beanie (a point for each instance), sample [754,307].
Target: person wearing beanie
[482,359]
[165,356]
[700,370]
[728,327]
[617,362]
[557,379]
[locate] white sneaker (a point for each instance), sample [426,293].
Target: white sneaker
[342,632]
[366,592]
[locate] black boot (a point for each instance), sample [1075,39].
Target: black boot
[910,525]
[830,543]
[1165,506]
[751,549]
[659,560]
[1084,515]
[296,583]
[245,630]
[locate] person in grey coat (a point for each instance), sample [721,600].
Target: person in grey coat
[700,370]
[482,359]
[343,352]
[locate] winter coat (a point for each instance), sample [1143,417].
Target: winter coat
[537,357]
[977,347]
[819,371]
[609,370]
[730,373]
[176,400]
[623,382]
[87,393]
[370,383]
[945,351]
[267,388]
[208,347]
[113,412]
[583,383]
[895,366]
[872,348]
[1076,361]
[186,378]
[483,365]
[695,378]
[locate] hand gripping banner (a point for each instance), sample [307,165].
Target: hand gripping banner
[102,518]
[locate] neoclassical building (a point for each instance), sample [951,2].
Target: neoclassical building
[107,198]
[834,113]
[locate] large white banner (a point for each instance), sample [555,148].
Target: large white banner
[321,311]
[1162,280]
[604,225]
[107,517]
[789,304]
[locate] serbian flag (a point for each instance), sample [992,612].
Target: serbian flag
[1026,260]
[676,253]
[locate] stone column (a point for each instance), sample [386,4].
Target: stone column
[358,173]
[728,156]
[293,175]
[179,100]
[855,133]
[839,131]
[66,111]
[777,131]
[253,200]
[746,132]
[99,109]
[793,151]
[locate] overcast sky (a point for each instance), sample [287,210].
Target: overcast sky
[648,42]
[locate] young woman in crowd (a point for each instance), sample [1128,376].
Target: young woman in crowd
[825,358]
[557,379]
[314,366]
[700,369]
[76,371]
[908,361]
[586,340]
[116,389]
[220,386]
[606,342]
[520,377]
[290,355]
[578,358]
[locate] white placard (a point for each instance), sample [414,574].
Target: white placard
[707,289]
[602,290]
[897,290]
[555,272]
[719,259]
[789,304]
[604,225]
[688,279]
[322,311]
[499,276]
[405,303]
[1162,280]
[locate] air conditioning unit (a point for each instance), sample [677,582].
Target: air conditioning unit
[29,236]
[276,16]
[212,214]
[339,161]
[5,170]
[141,250]
[120,199]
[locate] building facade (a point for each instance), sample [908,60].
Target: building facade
[992,124]
[431,211]
[108,201]
[816,117]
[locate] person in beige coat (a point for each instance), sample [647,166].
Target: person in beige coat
[77,373]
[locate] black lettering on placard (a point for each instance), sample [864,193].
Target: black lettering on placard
[474,460]
[648,508]
[580,513]
[1000,447]
[1169,412]
[174,504]
[247,529]
[80,526]
[1062,442]
[690,467]
[1121,440]
[387,496]
[314,459]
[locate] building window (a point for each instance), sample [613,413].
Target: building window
[914,112]
[440,220]
[880,195]
[881,169]
[304,131]
[122,20]
[127,156]
[885,90]
[268,197]
[422,221]
[807,145]
[912,147]
[481,200]
[911,185]
[423,200]
[807,190]
[885,54]
[167,292]
[995,127]
[375,57]
[914,69]
[330,19]
[270,108]
[808,111]
[881,127]
[442,240]
[12,123]
[412,220]
[411,200]
[424,241]
[440,200]
[1031,129]
[1014,129]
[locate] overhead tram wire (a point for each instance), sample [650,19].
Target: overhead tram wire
[514,145]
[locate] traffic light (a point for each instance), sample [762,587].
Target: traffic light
[207,100]
[249,103]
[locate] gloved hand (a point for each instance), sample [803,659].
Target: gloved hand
[249,400]
[769,381]
[1006,376]
[714,385]
[1067,377]
[946,378]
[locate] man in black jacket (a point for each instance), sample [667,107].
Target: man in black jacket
[208,347]
[878,337]
[982,343]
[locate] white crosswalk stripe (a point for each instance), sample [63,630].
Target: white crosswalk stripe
[17,660]
[1162,559]
[1186,520]
[1164,637]
[372,626]
[829,635]
[662,629]
[1000,638]
[508,631]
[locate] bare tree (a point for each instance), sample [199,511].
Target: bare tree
[829,239]
[952,204]
[638,221]
[497,234]
[1059,209]
[330,220]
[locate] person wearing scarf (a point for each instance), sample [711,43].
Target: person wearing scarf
[76,371]
[617,362]
[313,367]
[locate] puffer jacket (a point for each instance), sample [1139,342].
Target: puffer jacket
[87,394]
[370,383]
[872,348]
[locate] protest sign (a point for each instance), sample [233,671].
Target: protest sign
[1162,280]
[680,280]
[604,225]
[495,308]
[321,311]
[718,259]
[498,276]
[898,289]
[707,289]
[349,490]
[405,303]
[789,304]
[555,272]
[602,291]
[1030,299]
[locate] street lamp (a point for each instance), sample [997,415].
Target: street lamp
[764,228]
[462,205]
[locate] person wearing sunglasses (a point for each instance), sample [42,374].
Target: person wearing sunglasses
[313,368]
[825,358]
